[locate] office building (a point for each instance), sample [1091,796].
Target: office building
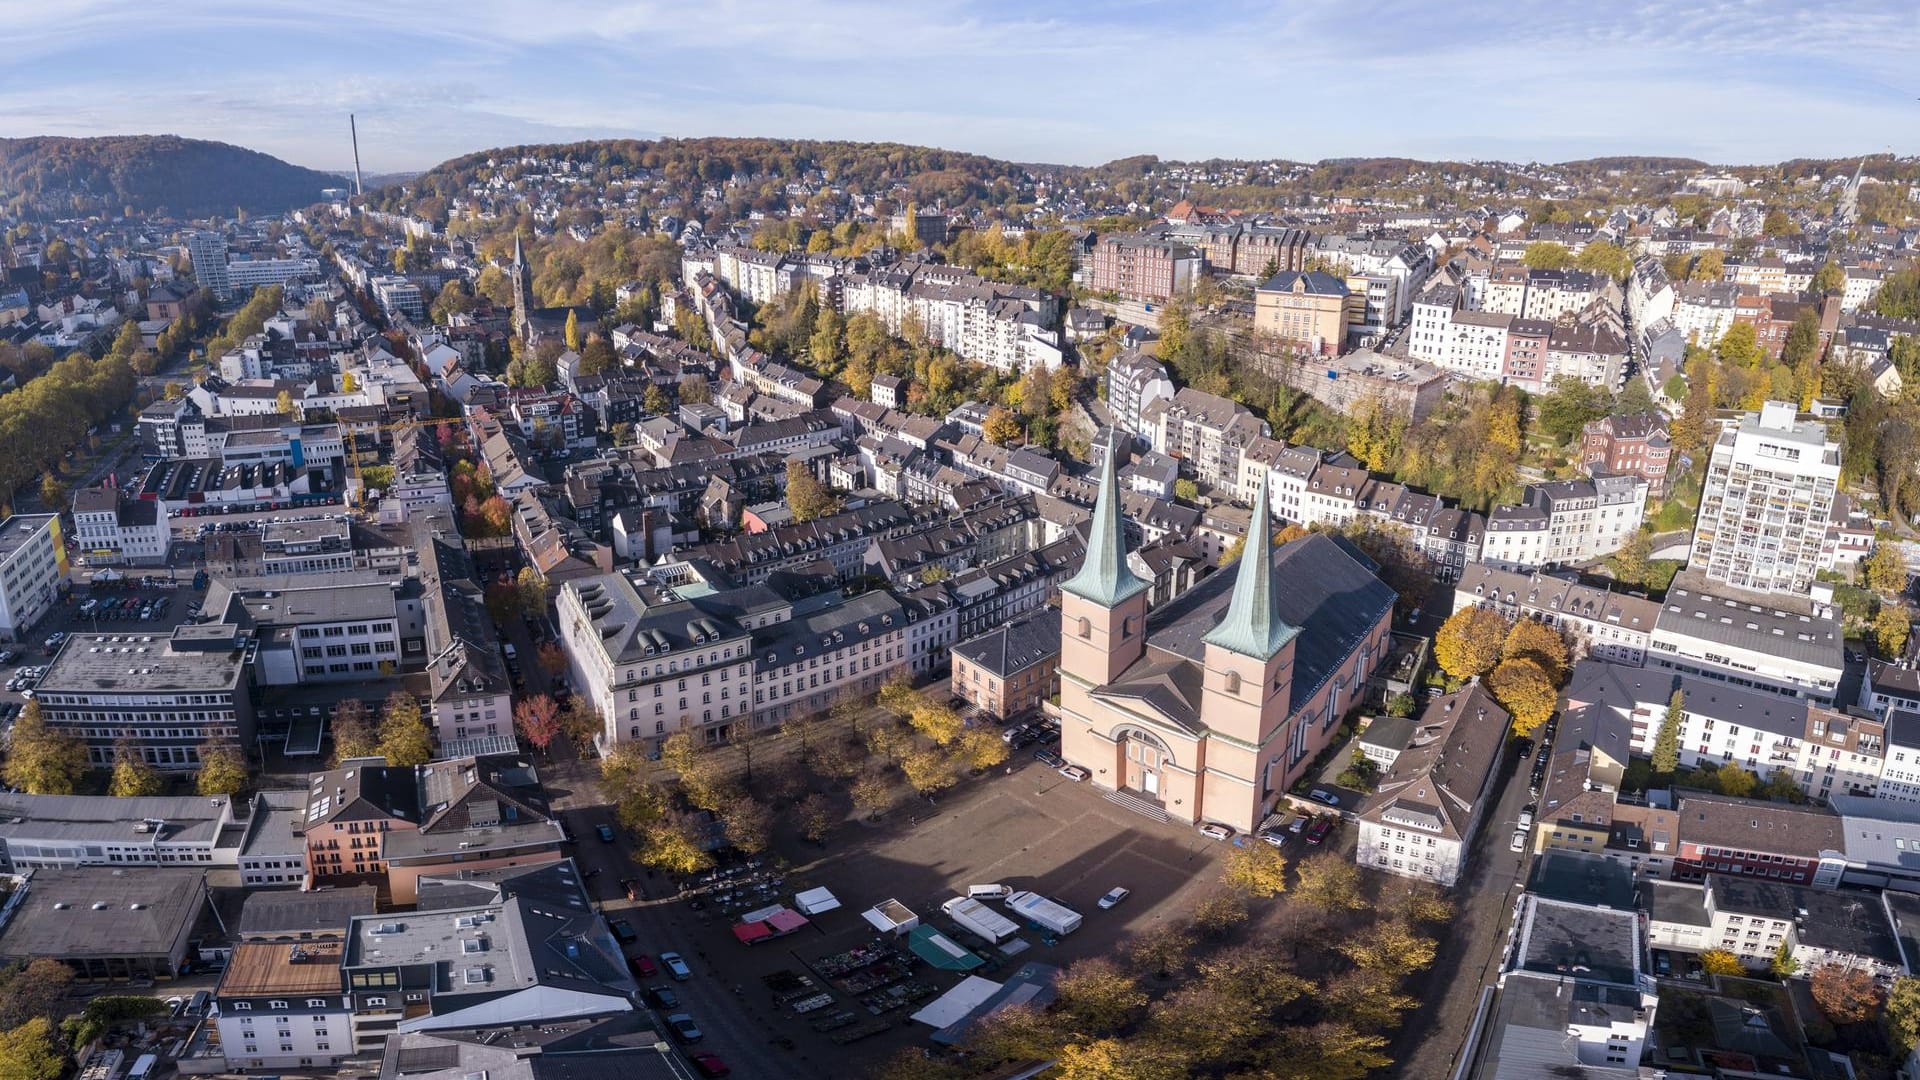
[163,696]
[33,564]
[208,252]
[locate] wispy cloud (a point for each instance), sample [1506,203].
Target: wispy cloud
[1037,80]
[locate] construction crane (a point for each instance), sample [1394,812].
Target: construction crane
[348,437]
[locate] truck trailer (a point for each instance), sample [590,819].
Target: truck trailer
[1041,911]
[977,918]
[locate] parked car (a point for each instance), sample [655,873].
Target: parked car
[623,931]
[1215,831]
[1072,772]
[675,966]
[1049,758]
[1526,818]
[1275,837]
[631,886]
[1114,896]
[1322,795]
[604,832]
[642,965]
[683,1028]
[1317,832]
[1519,841]
[662,997]
[709,1064]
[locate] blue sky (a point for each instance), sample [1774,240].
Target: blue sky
[1731,81]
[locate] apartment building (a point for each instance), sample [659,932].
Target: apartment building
[1769,491]
[368,821]
[654,664]
[1633,445]
[825,651]
[1137,267]
[1601,623]
[1431,802]
[1205,432]
[1011,669]
[281,1005]
[1134,382]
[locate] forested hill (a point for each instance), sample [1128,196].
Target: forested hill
[162,175]
[931,175]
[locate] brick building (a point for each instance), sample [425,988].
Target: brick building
[1634,445]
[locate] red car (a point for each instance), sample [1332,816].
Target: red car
[642,965]
[1317,832]
[709,1064]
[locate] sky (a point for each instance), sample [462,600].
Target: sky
[1728,81]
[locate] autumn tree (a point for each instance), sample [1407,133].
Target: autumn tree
[1329,883]
[581,721]
[1163,950]
[807,497]
[1391,946]
[675,843]
[1219,913]
[1903,1012]
[1256,870]
[133,777]
[1366,998]
[981,748]
[354,734]
[537,720]
[1845,995]
[223,768]
[1547,255]
[405,739]
[1635,557]
[1525,690]
[872,794]
[1099,997]
[1885,571]
[40,760]
[1469,642]
[749,824]
[928,771]
[1421,902]
[818,817]
[32,1051]
[1536,641]
[1002,427]
[1735,781]
[1891,625]
[1721,962]
[936,720]
[37,988]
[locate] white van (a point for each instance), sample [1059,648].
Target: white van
[506,647]
[988,892]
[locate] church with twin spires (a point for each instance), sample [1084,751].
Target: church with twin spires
[1209,709]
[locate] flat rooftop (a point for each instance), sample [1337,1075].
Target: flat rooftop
[138,663]
[103,911]
[304,967]
[1597,943]
[19,530]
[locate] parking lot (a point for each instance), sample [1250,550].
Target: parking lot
[120,610]
[1030,829]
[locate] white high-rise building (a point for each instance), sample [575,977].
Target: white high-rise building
[208,250]
[1768,494]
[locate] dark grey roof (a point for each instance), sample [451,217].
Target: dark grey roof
[1726,619]
[1323,589]
[277,912]
[1018,645]
[103,911]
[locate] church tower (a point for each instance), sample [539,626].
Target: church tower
[1249,657]
[1103,608]
[522,291]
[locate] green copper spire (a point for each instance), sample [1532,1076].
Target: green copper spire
[1253,626]
[1104,577]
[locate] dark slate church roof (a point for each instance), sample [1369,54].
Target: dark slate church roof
[1324,589]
